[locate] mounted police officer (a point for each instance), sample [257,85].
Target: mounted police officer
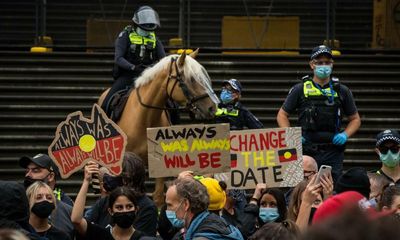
[320,101]
[136,48]
[232,111]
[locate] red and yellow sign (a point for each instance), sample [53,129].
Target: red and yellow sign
[79,140]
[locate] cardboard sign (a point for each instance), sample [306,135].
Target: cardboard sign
[199,148]
[79,140]
[271,156]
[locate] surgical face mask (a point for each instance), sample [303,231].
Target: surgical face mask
[323,71]
[175,221]
[142,32]
[268,214]
[43,209]
[390,159]
[226,96]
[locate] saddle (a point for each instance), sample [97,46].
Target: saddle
[117,103]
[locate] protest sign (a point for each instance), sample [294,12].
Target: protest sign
[271,156]
[79,140]
[199,148]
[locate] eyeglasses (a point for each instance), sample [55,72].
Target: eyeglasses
[322,62]
[308,174]
[393,149]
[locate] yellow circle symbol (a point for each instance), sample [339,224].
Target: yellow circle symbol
[87,143]
[287,155]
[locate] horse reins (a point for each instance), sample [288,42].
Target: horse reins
[186,92]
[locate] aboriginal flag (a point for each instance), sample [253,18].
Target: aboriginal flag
[287,155]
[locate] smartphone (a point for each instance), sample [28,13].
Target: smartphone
[324,170]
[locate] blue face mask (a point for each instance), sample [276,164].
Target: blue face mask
[226,96]
[390,159]
[175,221]
[268,214]
[323,71]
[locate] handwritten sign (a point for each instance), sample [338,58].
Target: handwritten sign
[271,156]
[199,148]
[79,140]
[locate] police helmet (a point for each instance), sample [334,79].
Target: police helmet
[146,18]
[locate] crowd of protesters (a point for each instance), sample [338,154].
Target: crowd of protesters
[359,205]
[354,204]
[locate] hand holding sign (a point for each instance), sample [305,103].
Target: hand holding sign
[90,169]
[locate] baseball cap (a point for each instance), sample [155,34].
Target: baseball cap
[388,134]
[216,193]
[42,160]
[235,84]
[321,50]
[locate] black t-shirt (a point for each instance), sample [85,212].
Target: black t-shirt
[54,233]
[99,233]
[295,100]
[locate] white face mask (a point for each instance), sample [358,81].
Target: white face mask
[142,32]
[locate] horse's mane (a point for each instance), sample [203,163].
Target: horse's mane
[191,68]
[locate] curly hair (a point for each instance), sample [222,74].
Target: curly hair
[194,192]
[133,172]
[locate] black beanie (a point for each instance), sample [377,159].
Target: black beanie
[354,179]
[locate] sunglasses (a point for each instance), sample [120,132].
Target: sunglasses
[323,62]
[393,149]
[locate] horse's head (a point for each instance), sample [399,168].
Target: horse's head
[193,86]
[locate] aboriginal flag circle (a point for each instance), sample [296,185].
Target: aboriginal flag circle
[87,143]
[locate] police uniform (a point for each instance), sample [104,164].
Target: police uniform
[237,116]
[133,53]
[320,110]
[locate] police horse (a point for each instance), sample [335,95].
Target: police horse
[176,77]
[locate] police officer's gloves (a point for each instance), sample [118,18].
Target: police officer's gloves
[340,138]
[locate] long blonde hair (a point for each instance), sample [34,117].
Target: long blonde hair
[32,191]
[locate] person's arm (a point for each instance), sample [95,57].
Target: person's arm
[283,118]
[289,106]
[350,110]
[353,125]
[77,219]
[121,47]
[160,51]
[309,195]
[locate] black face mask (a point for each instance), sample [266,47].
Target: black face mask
[43,209]
[110,183]
[124,219]
[312,212]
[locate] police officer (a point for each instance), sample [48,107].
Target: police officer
[232,111]
[136,48]
[388,150]
[320,101]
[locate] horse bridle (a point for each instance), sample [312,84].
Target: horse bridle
[191,99]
